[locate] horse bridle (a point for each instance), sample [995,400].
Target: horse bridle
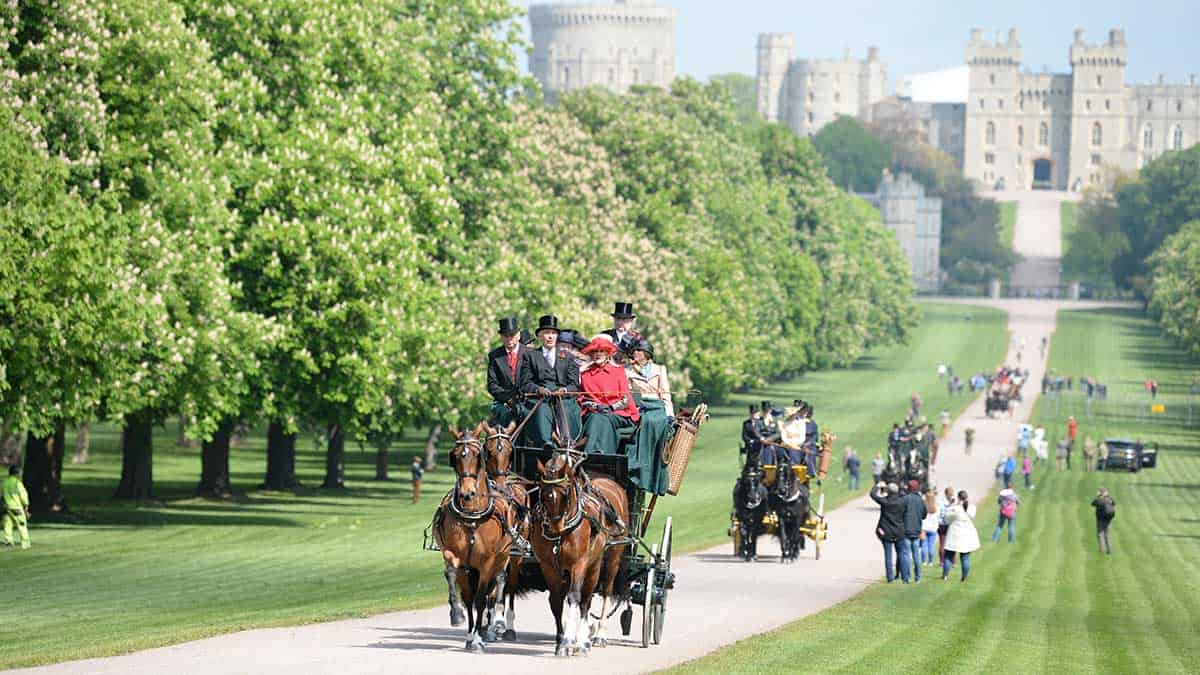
[576,515]
[473,516]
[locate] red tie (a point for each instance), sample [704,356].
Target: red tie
[512,363]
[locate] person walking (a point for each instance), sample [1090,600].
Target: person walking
[1089,454]
[945,423]
[418,471]
[16,508]
[968,440]
[1008,501]
[1072,432]
[945,503]
[1010,467]
[1060,454]
[853,464]
[914,522]
[890,529]
[1106,510]
[877,466]
[961,539]
[1027,471]
[929,528]
[915,403]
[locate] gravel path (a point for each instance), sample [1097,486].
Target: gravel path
[717,600]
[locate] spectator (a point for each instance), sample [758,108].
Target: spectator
[852,466]
[1010,467]
[1072,432]
[968,440]
[1106,510]
[1060,454]
[1027,471]
[1008,501]
[877,466]
[914,521]
[961,538]
[16,507]
[1153,389]
[1103,464]
[890,529]
[929,528]
[915,403]
[417,472]
[1089,454]
[945,423]
[945,503]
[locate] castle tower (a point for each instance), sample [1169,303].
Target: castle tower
[775,51]
[1099,134]
[616,46]
[872,82]
[992,154]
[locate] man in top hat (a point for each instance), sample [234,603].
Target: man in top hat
[545,371]
[812,452]
[503,374]
[751,435]
[770,437]
[623,333]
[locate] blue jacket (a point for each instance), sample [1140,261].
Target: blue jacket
[1010,465]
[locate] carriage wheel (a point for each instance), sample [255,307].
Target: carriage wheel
[660,604]
[647,608]
[818,535]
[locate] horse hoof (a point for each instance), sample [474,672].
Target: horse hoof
[561,650]
[475,646]
[510,635]
[457,618]
[600,642]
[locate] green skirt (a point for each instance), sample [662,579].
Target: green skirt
[646,468]
[603,432]
[541,425]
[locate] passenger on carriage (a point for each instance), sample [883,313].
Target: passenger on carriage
[606,398]
[752,436]
[571,342]
[648,380]
[545,371]
[623,333]
[503,368]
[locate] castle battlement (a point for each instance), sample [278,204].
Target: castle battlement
[981,51]
[1112,53]
[621,14]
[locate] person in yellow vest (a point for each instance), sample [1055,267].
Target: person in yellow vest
[16,507]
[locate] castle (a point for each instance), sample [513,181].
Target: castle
[917,221]
[615,46]
[1017,129]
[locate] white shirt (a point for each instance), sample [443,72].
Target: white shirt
[551,356]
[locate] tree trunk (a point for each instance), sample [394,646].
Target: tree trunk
[43,471]
[137,455]
[83,443]
[181,438]
[431,451]
[214,464]
[381,461]
[281,459]
[335,458]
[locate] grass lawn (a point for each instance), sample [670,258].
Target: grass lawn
[1008,224]
[116,577]
[1050,603]
[1070,222]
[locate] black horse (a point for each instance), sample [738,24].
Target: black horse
[750,503]
[789,501]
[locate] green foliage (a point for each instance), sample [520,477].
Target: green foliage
[1096,241]
[1008,223]
[742,89]
[1174,299]
[854,156]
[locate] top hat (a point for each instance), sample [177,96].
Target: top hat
[766,407]
[753,408]
[623,310]
[547,322]
[508,326]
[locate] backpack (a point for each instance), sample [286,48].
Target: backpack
[1009,509]
[1108,507]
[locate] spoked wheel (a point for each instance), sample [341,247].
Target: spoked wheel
[648,603]
[663,573]
[819,531]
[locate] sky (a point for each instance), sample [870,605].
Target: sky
[718,36]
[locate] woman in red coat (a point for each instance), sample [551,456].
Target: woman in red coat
[607,402]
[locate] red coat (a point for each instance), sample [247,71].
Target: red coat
[608,384]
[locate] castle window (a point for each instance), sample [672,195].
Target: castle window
[1149,106]
[612,76]
[1095,160]
[1097,134]
[981,104]
[1020,135]
[810,118]
[1177,138]
[989,158]
[992,78]
[1043,134]
[1099,81]
[1148,138]
[1000,103]
[566,76]
[811,97]
[989,134]
[837,97]
[1178,106]
[635,75]
[1087,104]
[1107,104]
[1045,103]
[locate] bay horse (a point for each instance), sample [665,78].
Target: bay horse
[750,503]
[499,447]
[579,523]
[789,501]
[474,529]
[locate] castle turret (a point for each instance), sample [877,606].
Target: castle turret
[991,127]
[1098,134]
[615,46]
[775,52]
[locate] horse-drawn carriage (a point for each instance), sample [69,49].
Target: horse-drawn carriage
[1001,397]
[911,457]
[776,499]
[578,526]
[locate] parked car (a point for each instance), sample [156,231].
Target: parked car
[1128,455]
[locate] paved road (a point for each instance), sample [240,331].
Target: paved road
[1038,236]
[718,600]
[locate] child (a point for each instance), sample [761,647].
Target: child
[1027,469]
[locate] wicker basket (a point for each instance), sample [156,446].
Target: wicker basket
[679,449]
